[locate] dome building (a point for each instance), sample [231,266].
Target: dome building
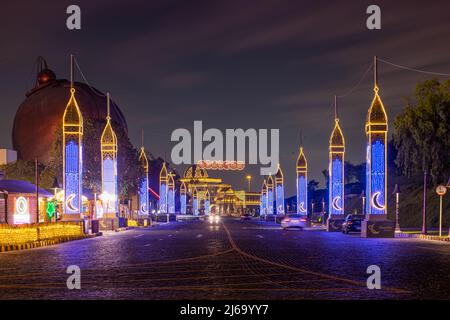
[39,116]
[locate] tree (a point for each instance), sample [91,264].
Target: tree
[422,132]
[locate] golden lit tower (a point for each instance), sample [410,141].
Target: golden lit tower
[72,159]
[302,183]
[109,167]
[195,201]
[279,190]
[72,155]
[263,209]
[171,194]
[163,181]
[376,166]
[143,190]
[336,172]
[207,203]
[270,196]
[183,198]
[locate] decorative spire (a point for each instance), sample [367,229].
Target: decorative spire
[279,174]
[301,160]
[108,117]
[375,73]
[336,118]
[71,70]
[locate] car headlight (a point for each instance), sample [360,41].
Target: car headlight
[217,219]
[211,219]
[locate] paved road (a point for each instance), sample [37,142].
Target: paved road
[232,260]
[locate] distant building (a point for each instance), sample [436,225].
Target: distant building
[7,156]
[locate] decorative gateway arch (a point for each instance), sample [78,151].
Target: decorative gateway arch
[376,223]
[207,195]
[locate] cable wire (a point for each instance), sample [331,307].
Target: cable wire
[413,69]
[359,82]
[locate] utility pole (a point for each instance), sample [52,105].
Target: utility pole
[37,188]
[424,208]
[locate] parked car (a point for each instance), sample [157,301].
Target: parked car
[246,216]
[294,221]
[352,223]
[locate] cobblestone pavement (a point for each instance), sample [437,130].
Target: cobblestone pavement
[231,260]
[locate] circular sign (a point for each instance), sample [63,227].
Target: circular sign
[21,206]
[441,190]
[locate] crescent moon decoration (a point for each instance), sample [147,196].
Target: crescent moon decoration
[375,202]
[372,229]
[336,205]
[144,208]
[70,204]
[301,206]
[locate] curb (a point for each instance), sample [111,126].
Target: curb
[423,237]
[42,243]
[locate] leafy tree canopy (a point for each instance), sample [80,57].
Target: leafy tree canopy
[422,132]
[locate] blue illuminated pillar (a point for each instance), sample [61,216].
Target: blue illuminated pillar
[263,208]
[336,180]
[171,194]
[207,203]
[72,159]
[376,223]
[195,202]
[163,181]
[183,198]
[143,189]
[279,187]
[270,195]
[109,168]
[302,183]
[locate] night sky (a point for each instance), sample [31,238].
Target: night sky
[233,64]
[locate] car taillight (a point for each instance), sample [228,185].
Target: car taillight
[302,220]
[287,220]
[350,222]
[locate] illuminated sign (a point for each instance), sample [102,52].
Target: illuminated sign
[21,211]
[221,165]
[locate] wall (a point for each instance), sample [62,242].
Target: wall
[7,156]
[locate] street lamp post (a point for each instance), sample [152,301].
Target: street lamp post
[397,196]
[363,202]
[424,208]
[249,179]
[441,191]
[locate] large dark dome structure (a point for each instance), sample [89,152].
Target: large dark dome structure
[40,115]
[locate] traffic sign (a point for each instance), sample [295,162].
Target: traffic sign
[441,190]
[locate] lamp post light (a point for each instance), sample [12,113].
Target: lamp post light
[424,208]
[55,188]
[323,210]
[397,196]
[363,197]
[249,179]
[441,190]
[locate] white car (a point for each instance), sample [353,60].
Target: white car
[294,221]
